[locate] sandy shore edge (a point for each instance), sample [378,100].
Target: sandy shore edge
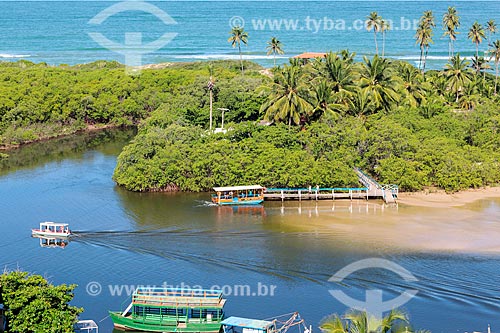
[441,199]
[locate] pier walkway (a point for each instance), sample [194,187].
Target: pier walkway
[371,190]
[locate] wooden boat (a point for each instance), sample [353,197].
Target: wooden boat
[172,310]
[52,230]
[238,195]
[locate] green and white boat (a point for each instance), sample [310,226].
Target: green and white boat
[172,310]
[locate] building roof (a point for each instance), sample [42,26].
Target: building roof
[311,55]
[238,188]
[255,324]
[54,224]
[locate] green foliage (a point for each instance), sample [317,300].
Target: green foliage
[38,101]
[35,305]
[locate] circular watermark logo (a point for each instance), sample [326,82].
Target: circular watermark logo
[133,49]
[237,21]
[373,303]
[93,288]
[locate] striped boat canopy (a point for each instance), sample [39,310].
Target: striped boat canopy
[238,188]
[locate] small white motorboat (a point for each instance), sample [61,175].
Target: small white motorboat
[52,229]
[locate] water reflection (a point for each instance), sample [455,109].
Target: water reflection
[31,156]
[51,242]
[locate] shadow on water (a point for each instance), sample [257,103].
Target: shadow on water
[34,155]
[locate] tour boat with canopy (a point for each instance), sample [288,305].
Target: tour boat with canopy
[172,310]
[238,195]
[52,229]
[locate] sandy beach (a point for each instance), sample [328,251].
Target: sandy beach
[441,199]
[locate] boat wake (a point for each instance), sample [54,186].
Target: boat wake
[166,244]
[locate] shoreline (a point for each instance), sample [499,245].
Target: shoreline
[88,129]
[441,199]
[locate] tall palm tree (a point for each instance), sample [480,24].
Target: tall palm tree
[286,100]
[457,75]
[451,22]
[210,87]
[376,78]
[423,38]
[373,22]
[491,27]
[274,46]
[476,35]
[495,53]
[384,27]
[238,36]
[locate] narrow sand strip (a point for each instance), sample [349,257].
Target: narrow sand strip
[441,199]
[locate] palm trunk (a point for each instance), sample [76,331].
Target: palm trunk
[421,58]
[274,59]
[477,58]
[496,76]
[383,44]
[425,60]
[241,57]
[449,49]
[375,37]
[211,104]
[289,123]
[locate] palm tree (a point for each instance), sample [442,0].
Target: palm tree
[359,103]
[457,75]
[338,71]
[376,78]
[476,35]
[413,84]
[491,27]
[373,22]
[495,53]
[274,46]
[451,22]
[384,27]
[363,322]
[424,35]
[323,100]
[210,87]
[238,36]
[428,18]
[286,100]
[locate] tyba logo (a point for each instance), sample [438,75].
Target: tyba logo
[133,49]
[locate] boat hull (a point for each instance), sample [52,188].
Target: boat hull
[130,323]
[37,232]
[239,202]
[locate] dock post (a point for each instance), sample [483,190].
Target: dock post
[350,194]
[333,194]
[300,197]
[367,193]
[282,196]
[317,191]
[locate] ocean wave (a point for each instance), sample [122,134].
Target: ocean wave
[226,57]
[9,55]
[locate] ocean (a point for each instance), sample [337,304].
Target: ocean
[61,32]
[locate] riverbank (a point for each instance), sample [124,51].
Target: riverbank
[441,199]
[66,131]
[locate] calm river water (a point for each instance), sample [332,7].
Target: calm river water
[285,254]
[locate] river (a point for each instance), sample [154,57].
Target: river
[279,256]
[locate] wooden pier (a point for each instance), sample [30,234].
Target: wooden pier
[371,190]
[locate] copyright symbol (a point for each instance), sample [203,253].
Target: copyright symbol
[94,288]
[236,21]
